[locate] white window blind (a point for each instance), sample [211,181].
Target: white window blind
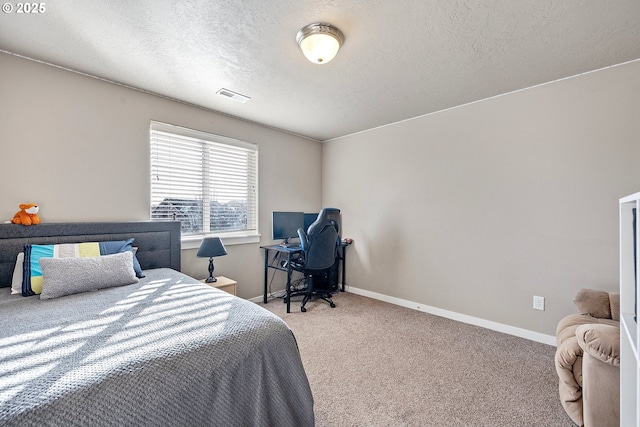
[207,182]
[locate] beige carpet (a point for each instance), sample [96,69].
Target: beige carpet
[372,363]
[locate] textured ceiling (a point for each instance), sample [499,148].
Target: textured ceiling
[401,59]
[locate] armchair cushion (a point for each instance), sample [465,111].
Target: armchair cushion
[594,303]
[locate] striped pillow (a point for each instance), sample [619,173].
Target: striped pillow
[32,271]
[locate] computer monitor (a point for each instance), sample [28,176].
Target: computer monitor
[285,225]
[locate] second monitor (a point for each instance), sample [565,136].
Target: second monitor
[309,218]
[285,224]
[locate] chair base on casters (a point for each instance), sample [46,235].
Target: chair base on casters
[326,296]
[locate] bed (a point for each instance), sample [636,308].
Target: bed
[165,351]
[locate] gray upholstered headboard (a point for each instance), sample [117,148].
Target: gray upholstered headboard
[158,242]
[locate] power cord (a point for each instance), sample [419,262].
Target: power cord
[296,285]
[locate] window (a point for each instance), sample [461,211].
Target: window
[207,182]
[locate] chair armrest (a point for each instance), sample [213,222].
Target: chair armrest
[304,239]
[600,341]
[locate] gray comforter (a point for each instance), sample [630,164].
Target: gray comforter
[168,351]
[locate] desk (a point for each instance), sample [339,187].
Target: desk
[291,251]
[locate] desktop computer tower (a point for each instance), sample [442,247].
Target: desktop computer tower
[327,280]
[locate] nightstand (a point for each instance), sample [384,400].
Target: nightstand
[223,283]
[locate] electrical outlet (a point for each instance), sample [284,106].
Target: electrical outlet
[538,303]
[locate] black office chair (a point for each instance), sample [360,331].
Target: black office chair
[319,253]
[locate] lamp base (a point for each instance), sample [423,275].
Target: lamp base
[211,279]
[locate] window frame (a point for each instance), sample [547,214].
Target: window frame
[190,241]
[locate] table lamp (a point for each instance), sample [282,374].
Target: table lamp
[209,248]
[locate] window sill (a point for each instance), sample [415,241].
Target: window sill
[193,241]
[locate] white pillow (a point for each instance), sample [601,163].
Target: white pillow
[66,276]
[16,281]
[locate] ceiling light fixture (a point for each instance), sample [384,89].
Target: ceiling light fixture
[320,42]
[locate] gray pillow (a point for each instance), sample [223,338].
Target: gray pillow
[66,276]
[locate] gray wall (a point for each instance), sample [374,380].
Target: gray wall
[79,148]
[476,209]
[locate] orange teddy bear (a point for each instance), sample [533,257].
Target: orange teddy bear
[27,215]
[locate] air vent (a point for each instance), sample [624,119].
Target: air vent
[233,95]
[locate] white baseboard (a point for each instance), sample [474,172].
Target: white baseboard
[260,298]
[511,330]
[494,326]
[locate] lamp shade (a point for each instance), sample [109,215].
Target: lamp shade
[320,42]
[211,247]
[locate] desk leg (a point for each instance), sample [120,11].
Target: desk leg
[288,282]
[266,268]
[344,267]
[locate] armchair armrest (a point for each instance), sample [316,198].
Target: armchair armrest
[600,341]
